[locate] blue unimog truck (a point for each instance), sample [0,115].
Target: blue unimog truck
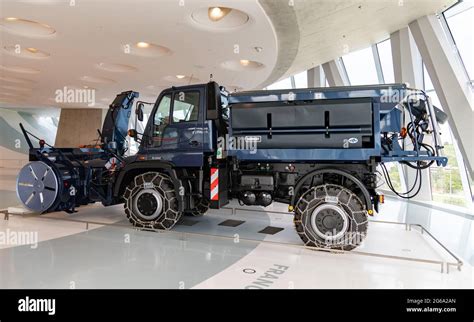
[322,151]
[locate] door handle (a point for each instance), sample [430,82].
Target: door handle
[194,143]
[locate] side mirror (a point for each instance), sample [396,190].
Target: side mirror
[139,112]
[133,134]
[214,101]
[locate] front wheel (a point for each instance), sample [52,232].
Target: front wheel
[151,202]
[201,205]
[331,216]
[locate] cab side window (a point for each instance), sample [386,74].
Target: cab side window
[186,106]
[161,119]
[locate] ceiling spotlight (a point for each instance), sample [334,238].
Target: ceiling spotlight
[217,13]
[28,52]
[27,28]
[180,76]
[244,62]
[143,44]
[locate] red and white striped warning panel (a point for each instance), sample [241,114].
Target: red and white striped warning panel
[214,184]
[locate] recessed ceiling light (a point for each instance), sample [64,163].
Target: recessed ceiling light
[241,65]
[116,68]
[28,52]
[217,13]
[27,28]
[143,44]
[145,49]
[181,80]
[244,62]
[218,18]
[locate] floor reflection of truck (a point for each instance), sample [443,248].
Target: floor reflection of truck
[317,150]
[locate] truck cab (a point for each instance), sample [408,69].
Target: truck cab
[182,125]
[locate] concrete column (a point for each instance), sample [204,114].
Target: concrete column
[378,64]
[78,127]
[335,73]
[407,62]
[316,77]
[408,68]
[449,80]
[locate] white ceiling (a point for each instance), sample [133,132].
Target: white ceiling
[94,32]
[332,28]
[293,38]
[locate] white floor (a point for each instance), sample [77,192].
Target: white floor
[206,255]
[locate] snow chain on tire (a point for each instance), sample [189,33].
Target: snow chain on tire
[158,185]
[337,206]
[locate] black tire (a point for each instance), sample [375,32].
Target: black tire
[331,216]
[201,206]
[151,202]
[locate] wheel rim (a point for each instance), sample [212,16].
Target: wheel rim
[329,221]
[148,204]
[37,186]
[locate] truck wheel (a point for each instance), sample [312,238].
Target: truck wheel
[331,216]
[202,205]
[150,201]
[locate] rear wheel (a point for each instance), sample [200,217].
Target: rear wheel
[151,202]
[331,216]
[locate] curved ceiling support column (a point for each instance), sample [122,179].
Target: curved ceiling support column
[408,68]
[283,18]
[335,73]
[316,77]
[449,80]
[407,62]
